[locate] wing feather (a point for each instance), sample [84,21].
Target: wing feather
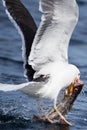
[59,18]
[26,26]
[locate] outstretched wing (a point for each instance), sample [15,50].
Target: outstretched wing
[52,38]
[26,26]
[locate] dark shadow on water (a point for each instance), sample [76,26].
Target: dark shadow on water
[12,123]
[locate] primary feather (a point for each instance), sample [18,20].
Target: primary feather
[26,27]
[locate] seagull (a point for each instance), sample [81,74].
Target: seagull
[45,49]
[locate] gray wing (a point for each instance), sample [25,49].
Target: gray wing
[59,18]
[26,26]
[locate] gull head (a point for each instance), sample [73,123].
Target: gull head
[74,71]
[74,77]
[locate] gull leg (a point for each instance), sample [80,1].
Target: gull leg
[48,119]
[63,120]
[46,116]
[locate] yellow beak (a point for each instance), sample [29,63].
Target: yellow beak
[71,89]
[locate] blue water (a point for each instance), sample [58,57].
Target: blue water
[17,109]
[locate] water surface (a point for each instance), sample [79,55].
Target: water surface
[17,109]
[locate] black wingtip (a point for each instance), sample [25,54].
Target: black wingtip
[26,23]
